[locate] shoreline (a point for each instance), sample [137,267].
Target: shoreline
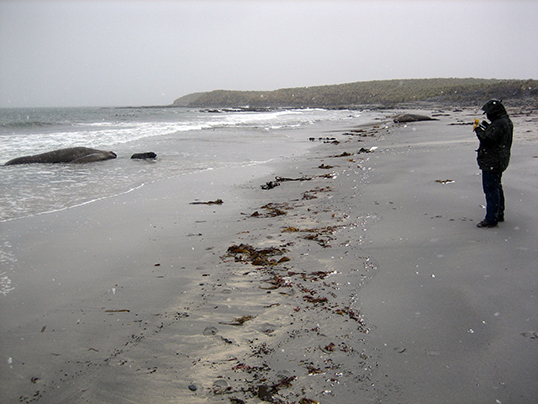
[314,321]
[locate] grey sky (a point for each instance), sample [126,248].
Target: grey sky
[111,53]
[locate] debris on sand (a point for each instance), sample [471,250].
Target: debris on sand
[273,210]
[259,257]
[278,180]
[238,321]
[215,202]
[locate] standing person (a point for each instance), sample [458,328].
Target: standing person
[493,158]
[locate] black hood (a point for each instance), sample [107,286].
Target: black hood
[494,109]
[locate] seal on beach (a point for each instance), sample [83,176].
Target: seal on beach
[412,118]
[147,155]
[68,155]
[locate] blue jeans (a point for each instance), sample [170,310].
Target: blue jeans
[491,182]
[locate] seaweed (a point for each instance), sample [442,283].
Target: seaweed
[315,276]
[324,242]
[238,321]
[273,210]
[278,180]
[315,300]
[308,196]
[270,185]
[305,400]
[321,235]
[329,348]
[283,179]
[277,281]
[259,257]
[265,392]
[311,194]
[312,370]
[344,154]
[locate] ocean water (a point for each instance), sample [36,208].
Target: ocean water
[185,141]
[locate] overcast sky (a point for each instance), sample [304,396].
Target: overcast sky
[126,53]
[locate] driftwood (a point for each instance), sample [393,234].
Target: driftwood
[216,202]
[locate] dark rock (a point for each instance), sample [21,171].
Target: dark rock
[264,394]
[142,156]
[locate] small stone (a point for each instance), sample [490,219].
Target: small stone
[267,328]
[210,330]
[220,383]
[283,374]
[192,387]
[264,394]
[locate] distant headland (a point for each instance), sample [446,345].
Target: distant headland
[371,94]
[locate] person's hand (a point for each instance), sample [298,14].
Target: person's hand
[482,125]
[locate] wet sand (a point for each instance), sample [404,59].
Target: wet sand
[363,278]
[453,308]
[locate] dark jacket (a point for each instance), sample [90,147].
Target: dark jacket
[495,142]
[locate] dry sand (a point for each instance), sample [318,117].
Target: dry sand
[367,283]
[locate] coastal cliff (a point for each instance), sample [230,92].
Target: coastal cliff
[384,94]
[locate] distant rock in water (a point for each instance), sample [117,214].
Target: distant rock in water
[69,155]
[148,155]
[412,118]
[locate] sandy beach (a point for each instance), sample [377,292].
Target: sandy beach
[352,274]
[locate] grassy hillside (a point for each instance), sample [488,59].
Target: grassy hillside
[385,93]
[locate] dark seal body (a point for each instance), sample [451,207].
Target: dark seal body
[412,118]
[69,155]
